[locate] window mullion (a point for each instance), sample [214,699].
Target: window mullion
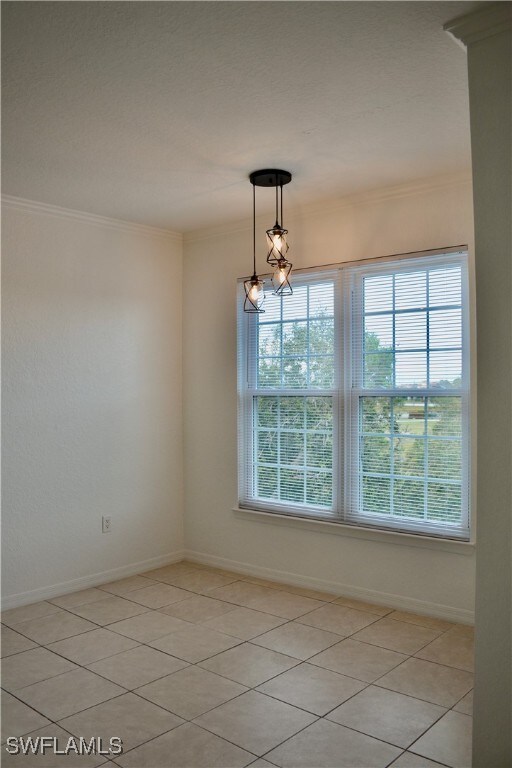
[397,350]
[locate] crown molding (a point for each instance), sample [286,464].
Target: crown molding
[321,207]
[490,20]
[47,209]
[422,186]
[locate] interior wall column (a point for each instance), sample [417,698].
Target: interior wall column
[486,34]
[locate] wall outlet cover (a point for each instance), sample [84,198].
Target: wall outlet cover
[106,524]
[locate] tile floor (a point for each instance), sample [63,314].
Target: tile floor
[195,667]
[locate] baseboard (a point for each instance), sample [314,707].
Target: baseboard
[399,602]
[93,580]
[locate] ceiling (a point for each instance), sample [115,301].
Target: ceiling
[155,112]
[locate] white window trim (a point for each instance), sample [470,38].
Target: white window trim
[341,528]
[337,520]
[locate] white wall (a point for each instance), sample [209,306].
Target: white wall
[92,421]
[438,581]
[488,36]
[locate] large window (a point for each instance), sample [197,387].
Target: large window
[354,397]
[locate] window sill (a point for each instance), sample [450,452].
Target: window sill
[359,532]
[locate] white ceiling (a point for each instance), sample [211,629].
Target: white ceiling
[156,112]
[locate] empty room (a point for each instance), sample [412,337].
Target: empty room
[256,390]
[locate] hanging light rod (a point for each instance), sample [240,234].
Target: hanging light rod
[270,177]
[276,241]
[277,235]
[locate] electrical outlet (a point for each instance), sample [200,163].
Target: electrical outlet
[106,524]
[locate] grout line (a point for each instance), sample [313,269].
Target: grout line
[410,748]
[308,711]
[253,688]
[378,738]
[216,654]
[197,664]
[58,723]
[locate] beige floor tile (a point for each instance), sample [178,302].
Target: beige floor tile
[158,595]
[465,705]
[448,741]
[428,681]
[270,583]
[387,715]
[312,688]
[249,664]
[32,667]
[198,609]
[409,760]
[66,694]
[315,594]
[133,719]
[206,628]
[397,635]
[360,660]
[255,722]
[124,586]
[361,605]
[137,666]
[169,571]
[91,646]
[17,718]
[336,618]
[422,621]
[79,598]
[221,571]
[284,604]
[239,593]
[191,692]
[49,759]
[49,629]
[194,643]
[244,622]
[192,564]
[297,640]
[108,610]
[453,649]
[463,629]
[12,642]
[186,747]
[327,745]
[200,581]
[27,612]
[148,626]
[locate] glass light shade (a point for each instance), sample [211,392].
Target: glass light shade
[277,243]
[280,275]
[254,294]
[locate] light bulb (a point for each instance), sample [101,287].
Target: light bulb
[253,293]
[277,244]
[282,275]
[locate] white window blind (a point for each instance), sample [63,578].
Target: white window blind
[353,397]
[407,398]
[289,374]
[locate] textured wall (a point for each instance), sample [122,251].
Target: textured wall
[430,215]
[91,398]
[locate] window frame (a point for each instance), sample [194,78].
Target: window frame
[248,390]
[344,396]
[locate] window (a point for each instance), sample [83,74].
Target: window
[354,397]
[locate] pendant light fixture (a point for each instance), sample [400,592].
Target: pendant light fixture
[254,287]
[276,235]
